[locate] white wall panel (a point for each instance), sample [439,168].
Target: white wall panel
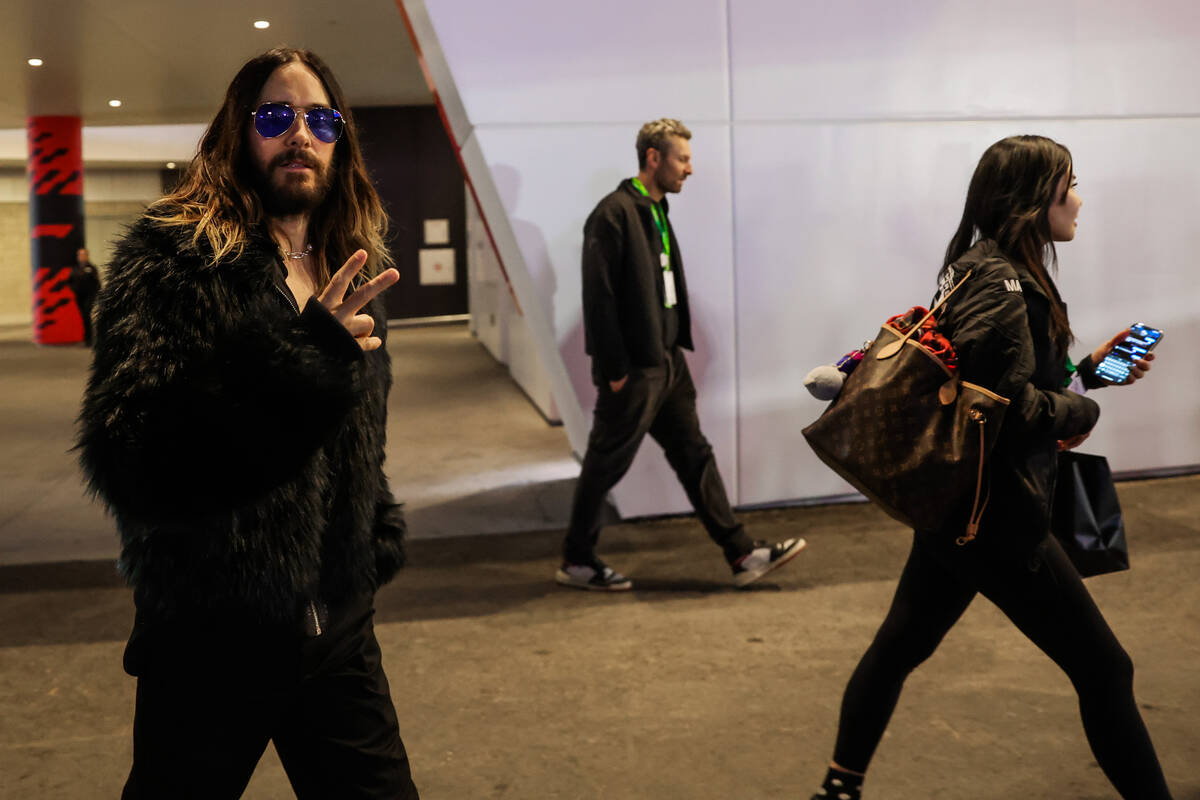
[539,324]
[853,59]
[1133,261]
[524,61]
[850,131]
[841,226]
[487,290]
[547,205]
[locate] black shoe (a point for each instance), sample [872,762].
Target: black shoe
[764,558]
[840,785]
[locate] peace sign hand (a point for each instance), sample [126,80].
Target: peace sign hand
[345,309]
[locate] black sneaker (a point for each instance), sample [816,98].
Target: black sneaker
[764,558]
[840,785]
[595,576]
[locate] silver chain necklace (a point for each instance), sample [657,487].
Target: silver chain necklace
[299,254]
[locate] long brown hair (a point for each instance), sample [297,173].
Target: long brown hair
[1009,202]
[216,193]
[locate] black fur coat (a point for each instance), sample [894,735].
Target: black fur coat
[238,444]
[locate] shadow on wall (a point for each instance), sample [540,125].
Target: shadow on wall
[536,255]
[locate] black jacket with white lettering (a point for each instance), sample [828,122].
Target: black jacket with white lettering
[238,443]
[999,324]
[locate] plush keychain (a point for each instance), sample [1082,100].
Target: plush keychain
[824,382]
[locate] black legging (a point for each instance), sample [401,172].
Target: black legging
[1045,598]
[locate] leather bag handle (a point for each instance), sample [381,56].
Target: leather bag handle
[889,350]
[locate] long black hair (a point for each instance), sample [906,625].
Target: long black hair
[1009,201]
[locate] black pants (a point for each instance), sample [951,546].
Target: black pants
[660,401]
[85,313]
[1045,598]
[211,696]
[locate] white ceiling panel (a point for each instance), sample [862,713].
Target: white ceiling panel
[170,62]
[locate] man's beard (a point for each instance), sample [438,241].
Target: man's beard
[282,194]
[660,178]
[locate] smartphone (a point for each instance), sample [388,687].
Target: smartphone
[1117,365]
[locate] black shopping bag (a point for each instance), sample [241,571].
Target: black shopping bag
[1086,518]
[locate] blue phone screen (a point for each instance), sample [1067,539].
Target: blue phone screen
[1117,365]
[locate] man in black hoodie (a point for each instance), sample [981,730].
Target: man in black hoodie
[637,324]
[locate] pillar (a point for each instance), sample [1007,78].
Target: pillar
[55,170]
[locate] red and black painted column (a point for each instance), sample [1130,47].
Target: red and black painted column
[55,172]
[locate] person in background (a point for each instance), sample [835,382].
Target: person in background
[84,281]
[234,425]
[1010,330]
[637,324]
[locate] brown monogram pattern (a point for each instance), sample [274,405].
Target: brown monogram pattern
[888,434]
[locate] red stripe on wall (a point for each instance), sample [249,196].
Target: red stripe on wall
[56,318]
[57,231]
[55,143]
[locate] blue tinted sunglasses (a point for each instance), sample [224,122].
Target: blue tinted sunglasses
[276,119]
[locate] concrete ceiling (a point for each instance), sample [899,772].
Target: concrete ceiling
[169,61]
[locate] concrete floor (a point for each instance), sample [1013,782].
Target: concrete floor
[467,452]
[510,687]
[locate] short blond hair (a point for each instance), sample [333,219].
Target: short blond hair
[657,134]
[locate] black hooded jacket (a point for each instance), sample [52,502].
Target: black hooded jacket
[238,443]
[999,324]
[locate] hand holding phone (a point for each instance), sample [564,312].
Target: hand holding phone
[1119,364]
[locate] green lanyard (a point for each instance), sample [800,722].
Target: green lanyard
[660,220]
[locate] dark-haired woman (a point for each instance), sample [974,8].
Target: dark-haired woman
[1010,329]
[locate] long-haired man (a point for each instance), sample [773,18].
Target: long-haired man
[234,426]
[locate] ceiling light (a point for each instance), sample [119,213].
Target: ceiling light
[34,62]
[115,103]
[170,165]
[262,24]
